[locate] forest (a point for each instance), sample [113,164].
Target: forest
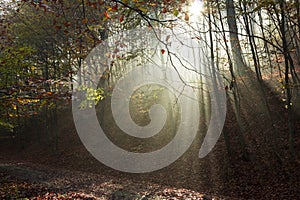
[149,100]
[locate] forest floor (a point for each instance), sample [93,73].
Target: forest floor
[30,166]
[27,180]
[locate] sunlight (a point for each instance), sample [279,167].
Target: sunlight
[196,7]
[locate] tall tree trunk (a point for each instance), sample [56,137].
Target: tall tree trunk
[252,44]
[239,65]
[213,66]
[233,85]
[285,47]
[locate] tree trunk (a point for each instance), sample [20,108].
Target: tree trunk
[285,47]
[239,65]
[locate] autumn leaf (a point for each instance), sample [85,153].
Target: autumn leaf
[122,18]
[94,5]
[101,2]
[167,38]
[84,21]
[67,24]
[144,10]
[176,13]
[14,106]
[196,37]
[115,8]
[163,51]
[106,15]
[186,17]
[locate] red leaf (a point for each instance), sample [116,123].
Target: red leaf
[115,8]
[122,18]
[94,5]
[163,51]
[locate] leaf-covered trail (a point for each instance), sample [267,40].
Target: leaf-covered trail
[20,180]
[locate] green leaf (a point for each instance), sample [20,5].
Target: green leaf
[176,12]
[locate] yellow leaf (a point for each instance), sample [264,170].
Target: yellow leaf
[143,9]
[176,13]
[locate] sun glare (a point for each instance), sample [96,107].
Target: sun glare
[196,7]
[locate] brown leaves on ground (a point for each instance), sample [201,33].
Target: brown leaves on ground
[58,184]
